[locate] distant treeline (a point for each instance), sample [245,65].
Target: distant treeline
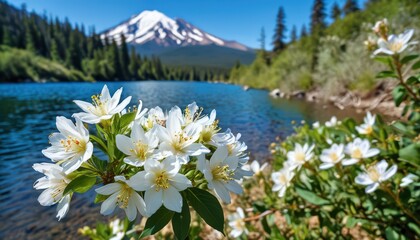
[328,55]
[38,47]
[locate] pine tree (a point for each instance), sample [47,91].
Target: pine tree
[335,12]
[124,57]
[318,16]
[114,60]
[303,31]
[262,39]
[293,34]
[73,58]
[350,6]
[134,65]
[7,40]
[29,38]
[54,51]
[279,33]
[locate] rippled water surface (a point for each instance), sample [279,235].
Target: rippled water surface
[27,117]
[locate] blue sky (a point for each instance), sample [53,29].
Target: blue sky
[239,20]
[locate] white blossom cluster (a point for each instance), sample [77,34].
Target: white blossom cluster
[353,152]
[164,153]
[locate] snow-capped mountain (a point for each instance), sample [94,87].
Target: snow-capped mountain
[152,32]
[164,31]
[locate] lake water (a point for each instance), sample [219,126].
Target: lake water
[27,117]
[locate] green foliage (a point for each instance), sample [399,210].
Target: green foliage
[340,193]
[22,65]
[80,184]
[85,55]
[157,221]
[334,61]
[207,206]
[181,222]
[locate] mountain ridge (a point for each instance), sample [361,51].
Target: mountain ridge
[154,33]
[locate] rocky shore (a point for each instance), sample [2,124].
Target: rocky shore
[377,100]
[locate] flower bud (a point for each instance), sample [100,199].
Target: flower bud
[370,44]
[381,28]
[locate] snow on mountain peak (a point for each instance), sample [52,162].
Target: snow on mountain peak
[154,27]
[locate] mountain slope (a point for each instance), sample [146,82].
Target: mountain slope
[153,33]
[208,55]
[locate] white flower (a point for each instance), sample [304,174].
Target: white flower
[219,173]
[256,168]
[235,147]
[162,184]
[395,44]
[71,146]
[193,114]
[54,182]
[407,180]
[375,174]
[299,155]
[357,150]
[122,194]
[331,156]
[282,179]
[139,112]
[332,122]
[155,116]
[316,125]
[236,222]
[117,228]
[210,128]
[242,171]
[103,107]
[139,147]
[222,139]
[179,141]
[367,126]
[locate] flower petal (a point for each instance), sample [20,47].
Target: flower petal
[153,200]
[108,206]
[109,189]
[172,199]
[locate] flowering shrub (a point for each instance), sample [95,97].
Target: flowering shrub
[343,179]
[156,164]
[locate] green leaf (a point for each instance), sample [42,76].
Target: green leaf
[386,74]
[411,153]
[416,65]
[157,221]
[181,222]
[126,119]
[412,80]
[351,222]
[408,58]
[100,198]
[399,94]
[391,234]
[80,184]
[382,59]
[311,197]
[207,206]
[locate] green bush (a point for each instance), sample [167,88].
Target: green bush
[18,65]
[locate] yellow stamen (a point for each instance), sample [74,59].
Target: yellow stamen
[357,153]
[73,144]
[124,196]
[140,150]
[300,156]
[334,157]
[162,181]
[222,173]
[373,174]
